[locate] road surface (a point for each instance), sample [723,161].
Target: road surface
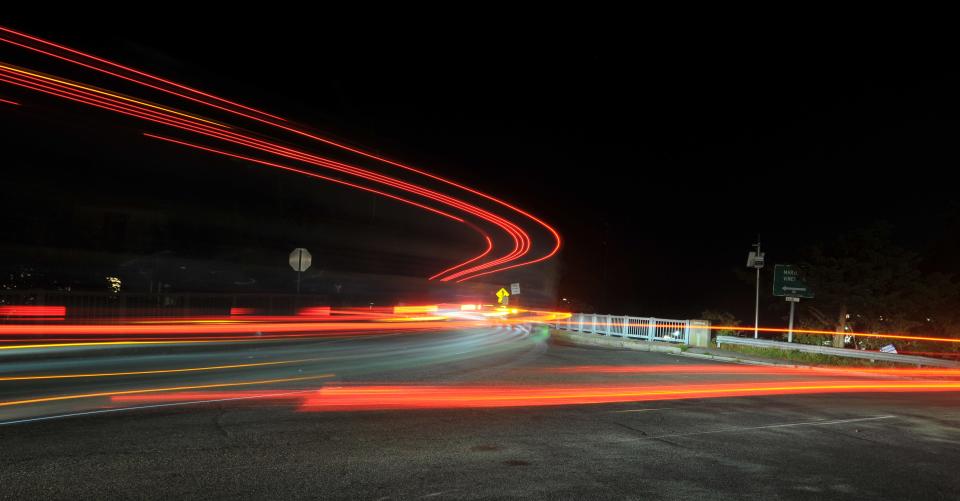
[252,443]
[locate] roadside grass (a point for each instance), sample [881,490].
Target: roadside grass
[816,359]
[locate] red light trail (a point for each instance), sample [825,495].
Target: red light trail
[103,100]
[408,397]
[478,266]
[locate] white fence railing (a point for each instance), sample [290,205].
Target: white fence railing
[645,328]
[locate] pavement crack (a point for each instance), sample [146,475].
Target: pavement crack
[641,432]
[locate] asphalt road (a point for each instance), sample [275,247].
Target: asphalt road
[849,446]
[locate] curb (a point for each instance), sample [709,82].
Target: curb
[600,341]
[741,361]
[594,340]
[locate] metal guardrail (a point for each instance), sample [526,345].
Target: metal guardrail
[644,328]
[839,352]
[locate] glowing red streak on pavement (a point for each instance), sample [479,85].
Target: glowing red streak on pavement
[276,327]
[174,338]
[7,101]
[384,397]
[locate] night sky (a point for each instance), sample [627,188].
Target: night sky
[658,160]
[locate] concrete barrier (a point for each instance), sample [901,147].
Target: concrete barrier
[699,333]
[587,339]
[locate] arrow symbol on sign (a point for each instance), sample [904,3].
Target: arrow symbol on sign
[502,293]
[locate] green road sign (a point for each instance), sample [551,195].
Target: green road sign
[788,281]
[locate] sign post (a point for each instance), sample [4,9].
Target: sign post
[788,282]
[503,297]
[793,302]
[300,260]
[755,260]
[515,291]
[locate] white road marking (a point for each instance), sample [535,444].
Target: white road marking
[435,494]
[643,410]
[787,425]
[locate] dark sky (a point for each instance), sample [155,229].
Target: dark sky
[658,158]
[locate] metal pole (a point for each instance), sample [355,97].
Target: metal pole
[299,269]
[756,304]
[756,309]
[790,327]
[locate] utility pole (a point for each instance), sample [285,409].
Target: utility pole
[755,260]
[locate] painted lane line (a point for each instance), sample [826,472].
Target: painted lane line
[772,426]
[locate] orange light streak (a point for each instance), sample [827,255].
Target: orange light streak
[158,371]
[154,390]
[210,395]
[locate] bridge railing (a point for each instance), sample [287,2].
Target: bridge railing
[642,328]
